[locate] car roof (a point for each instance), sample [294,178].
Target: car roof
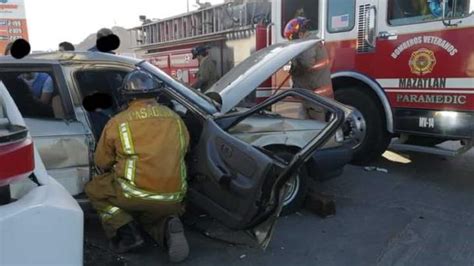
[69,57]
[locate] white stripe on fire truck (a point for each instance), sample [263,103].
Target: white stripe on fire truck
[434,91]
[451,83]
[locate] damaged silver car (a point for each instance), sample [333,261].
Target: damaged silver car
[245,164]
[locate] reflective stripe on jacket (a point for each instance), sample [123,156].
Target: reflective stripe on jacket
[312,70]
[145,147]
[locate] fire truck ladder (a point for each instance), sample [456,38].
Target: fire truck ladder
[220,19]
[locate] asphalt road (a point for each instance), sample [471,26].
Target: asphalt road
[419,213]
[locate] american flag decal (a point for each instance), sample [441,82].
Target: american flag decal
[340,21]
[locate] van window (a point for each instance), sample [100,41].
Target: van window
[300,8]
[401,12]
[100,95]
[104,80]
[341,15]
[34,93]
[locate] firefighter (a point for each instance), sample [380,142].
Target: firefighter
[141,154]
[311,69]
[207,73]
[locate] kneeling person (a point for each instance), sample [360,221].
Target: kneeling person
[142,152]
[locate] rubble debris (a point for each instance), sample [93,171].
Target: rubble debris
[323,205]
[374,168]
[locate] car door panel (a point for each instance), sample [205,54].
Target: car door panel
[228,176]
[339,113]
[65,150]
[239,184]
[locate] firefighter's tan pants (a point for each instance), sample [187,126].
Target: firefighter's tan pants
[116,210]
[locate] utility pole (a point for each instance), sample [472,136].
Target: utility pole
[187,2]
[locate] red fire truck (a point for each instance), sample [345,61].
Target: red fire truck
[407,66]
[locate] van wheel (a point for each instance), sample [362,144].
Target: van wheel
[376,137]
[296,189]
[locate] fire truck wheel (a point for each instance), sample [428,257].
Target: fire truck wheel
[377,137]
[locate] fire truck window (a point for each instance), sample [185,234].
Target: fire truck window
[297,8]
[401,12]
[341,15]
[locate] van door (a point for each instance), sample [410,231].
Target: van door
[61,140]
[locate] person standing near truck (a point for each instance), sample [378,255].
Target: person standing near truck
[207,73]
[311,69]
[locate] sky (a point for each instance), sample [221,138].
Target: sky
[53,21]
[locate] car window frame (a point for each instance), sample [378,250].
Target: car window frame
[89,66]
[101,66]
[57,77]
[186,100]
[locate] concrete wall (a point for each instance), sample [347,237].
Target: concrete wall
[241,48]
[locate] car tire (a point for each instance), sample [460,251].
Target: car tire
[297,185]
[376,138]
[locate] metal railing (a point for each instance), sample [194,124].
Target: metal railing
[218,19]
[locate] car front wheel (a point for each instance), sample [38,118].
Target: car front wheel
[296,189]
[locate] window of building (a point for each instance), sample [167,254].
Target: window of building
[401,12]
[341,15]
[297,8]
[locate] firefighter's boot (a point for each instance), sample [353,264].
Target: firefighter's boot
[128,238]
[178,248]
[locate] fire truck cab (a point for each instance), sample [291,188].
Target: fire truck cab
[407,66]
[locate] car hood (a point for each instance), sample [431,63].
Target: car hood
[240,81]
